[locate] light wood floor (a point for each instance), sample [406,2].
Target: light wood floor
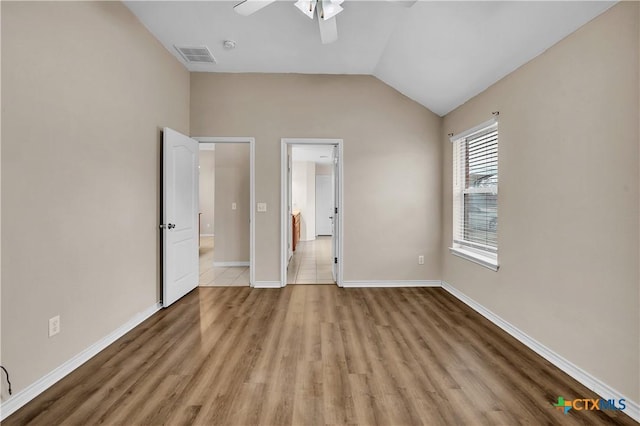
[313,354]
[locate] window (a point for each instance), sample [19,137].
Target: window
[475,194]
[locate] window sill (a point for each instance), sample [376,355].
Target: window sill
[482,260]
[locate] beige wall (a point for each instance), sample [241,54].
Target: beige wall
[2,384]
[568,201]
[232,227]
[392,157]
[207,191]
[85,92]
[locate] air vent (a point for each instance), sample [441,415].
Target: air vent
[196,54]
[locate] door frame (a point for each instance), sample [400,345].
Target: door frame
[252,193]
[284,255]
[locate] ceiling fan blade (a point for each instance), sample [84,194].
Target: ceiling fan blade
[248,7]
[328,30]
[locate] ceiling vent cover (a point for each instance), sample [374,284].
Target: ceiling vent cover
[196,54]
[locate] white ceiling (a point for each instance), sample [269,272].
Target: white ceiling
[439,53]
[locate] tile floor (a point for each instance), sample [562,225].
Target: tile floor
[311,263]
[211,276]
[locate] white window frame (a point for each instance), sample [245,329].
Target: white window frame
[482,255]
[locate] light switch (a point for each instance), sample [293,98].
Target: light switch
[234,206]
[262,207]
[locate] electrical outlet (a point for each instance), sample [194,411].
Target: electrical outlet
[420,260]
[54,325]
[234,206]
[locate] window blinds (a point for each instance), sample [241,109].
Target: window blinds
[475,220]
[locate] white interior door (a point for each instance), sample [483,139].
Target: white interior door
[324,205]
[336,216]
[180,200]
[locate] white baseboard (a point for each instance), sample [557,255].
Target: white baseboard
[230,264]
[588,380]
[267,284]
[19,399]
[207,235]
[390,283]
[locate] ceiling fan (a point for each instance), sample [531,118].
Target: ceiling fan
[326,10]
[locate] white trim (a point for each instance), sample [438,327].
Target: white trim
[482,260]
[19,399]
[284,142]
[207,235]
[230,264]
[582,376]
[473,130]
[391,283]
[284,212]
[267,284]
[252,193]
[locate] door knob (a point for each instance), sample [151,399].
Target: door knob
[169,226]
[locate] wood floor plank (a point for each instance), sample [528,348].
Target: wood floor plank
[314,355]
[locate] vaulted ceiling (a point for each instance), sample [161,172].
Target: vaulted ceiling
[440,54]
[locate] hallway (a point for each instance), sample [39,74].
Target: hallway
[311,262]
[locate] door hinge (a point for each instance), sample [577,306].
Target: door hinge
[335,210]
[335,260]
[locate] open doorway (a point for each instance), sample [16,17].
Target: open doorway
[206,212]
[312,225]
[225,215]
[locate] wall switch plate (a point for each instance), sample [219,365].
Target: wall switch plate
[54,325]
[262,207]
[420,260]
[234,206]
